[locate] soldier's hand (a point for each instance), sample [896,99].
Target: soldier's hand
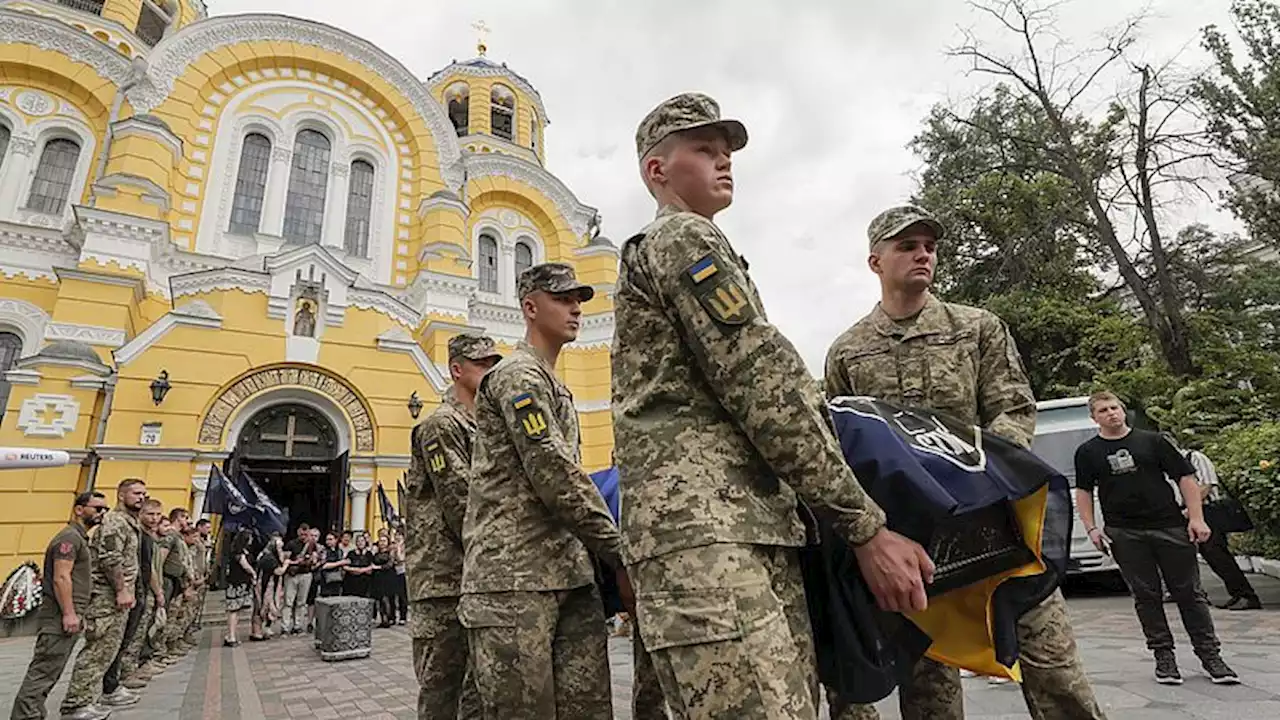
[897,569]
[625,593]
[70,623]
[125,600]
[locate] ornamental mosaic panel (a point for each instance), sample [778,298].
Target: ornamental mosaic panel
[322,381]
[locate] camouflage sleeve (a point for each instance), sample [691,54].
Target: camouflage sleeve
[550,463]
[754,371]
[448,469]
[1006,405]
[109,547]
[836,381]
[417,466]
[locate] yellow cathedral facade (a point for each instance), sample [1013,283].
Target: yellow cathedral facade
[245,241]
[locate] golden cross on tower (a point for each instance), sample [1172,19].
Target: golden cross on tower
[482,30]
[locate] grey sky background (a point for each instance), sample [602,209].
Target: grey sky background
[830,92]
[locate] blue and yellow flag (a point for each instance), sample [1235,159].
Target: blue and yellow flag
[995,519]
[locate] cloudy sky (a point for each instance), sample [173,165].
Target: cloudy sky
[830,91]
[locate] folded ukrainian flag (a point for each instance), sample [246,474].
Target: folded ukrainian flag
[995,519]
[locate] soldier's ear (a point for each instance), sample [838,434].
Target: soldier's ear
[873,262]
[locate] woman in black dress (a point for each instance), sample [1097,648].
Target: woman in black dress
[384,576]
[358,574]
[241,577]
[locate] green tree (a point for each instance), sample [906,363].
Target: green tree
[1242,103]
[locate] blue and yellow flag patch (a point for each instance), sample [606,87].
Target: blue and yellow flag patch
[703,269]
[531,418]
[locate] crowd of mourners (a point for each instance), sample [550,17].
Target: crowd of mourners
[277,582]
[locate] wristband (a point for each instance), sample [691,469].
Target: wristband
[1092,530]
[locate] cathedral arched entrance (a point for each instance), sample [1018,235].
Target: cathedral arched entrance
[293,451]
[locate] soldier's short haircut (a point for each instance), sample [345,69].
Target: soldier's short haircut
[127,483]
[176,513]
[203,521]
[86,497]
[151,502]
[1104,396]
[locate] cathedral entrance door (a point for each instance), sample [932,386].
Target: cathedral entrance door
[290,450]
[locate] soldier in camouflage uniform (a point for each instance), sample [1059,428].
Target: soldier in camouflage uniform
[438,480]
[114,550]
[719,430]
[180,572]
[916,350]
[534,617]
[200,563]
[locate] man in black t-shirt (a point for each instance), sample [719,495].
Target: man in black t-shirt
[1147,533]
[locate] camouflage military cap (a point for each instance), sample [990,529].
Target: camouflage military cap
[470,346]
[890,223]
[686,112]
[554,278]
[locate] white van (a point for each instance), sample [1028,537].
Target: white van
[1061,427]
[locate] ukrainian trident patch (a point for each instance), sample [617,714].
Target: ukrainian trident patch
[435,457]
[531,417]
[720,293]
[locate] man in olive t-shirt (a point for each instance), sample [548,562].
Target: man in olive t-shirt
[66,585]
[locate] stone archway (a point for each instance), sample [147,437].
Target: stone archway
[254,384]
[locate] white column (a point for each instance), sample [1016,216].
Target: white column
[273,199]
[359,504]
[18,166]
[335,206]
[199,487]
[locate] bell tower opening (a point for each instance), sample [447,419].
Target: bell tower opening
[290,450]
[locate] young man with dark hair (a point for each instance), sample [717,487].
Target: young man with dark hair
[66,583]
[300,554]
[1146,532]
[150,593]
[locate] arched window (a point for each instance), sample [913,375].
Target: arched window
[154,20]
[251,184]
[308,180]
[488,264]
[502,111]
[89,6]
[533,130]
[524,257]
[4,142]
[52,183]
[458,97]
[10,349]
[359,208]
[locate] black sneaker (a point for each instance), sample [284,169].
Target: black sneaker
[1167,668]
[1245,604]
[1219,672]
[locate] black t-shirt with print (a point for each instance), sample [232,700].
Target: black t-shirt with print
[1132,475]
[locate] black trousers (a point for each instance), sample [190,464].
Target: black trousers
[1144,556]
[1218,555]
[401,597]
[111,680]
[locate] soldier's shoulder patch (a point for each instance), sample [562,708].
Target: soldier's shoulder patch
[437,461]
[532,418]
[720,293]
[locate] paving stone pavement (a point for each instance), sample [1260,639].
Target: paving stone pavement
[284,678]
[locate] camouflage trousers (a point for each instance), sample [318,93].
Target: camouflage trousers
[539,655]
[102,638]
[193,626]
[727,630]
[180,612]
[647,702]
[133,645]
[446,682]
[1054,684]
